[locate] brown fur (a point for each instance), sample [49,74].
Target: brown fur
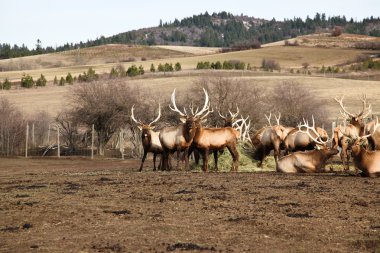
[298,141]
[213,139]
[305,161]
[366,161]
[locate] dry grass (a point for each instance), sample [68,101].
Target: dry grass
[52,98]
[287,57]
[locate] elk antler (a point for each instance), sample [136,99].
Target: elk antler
[365,109]
[234,115]
[223,117]
[278,119]
[306,124]
[345,113]
[174,108]
[268,118]
[133,116]
[158,117]
[206,105]
[207,113]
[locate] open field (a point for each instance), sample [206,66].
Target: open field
[53,98]
[287,57]
[77,205]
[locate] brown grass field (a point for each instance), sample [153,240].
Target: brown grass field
[78,205]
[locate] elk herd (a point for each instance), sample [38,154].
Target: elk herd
[301,148]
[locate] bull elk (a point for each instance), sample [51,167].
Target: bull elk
[179,138]
[366,161]
[353,130]
[374,139]
[299,140]
[305,161]
[269,138]
[149,138]
[214,139]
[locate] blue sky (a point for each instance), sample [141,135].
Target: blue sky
[57,22]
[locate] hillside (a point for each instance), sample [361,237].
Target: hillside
[216,30]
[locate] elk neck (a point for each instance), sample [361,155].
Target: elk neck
[146,137]
[189,129]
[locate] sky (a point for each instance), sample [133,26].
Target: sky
[57,22]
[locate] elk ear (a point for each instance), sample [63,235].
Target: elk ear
[139,127]
[182,119]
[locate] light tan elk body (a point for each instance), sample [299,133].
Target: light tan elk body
[300,141]
[366,161]
[149,138]
[228,119]
[269,138]
[305,161]
[354,129]
[374,139]
[213,139]
[179,138]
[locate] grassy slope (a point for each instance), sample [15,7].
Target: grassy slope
[288,57]
[52,98]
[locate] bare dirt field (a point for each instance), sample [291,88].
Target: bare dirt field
[79,205]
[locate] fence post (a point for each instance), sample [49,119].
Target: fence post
[26,140]
[121,143]
[333,125]
[33,140]
[92,141]
[58,148]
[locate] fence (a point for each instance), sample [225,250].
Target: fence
[44,139]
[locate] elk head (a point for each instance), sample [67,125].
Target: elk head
[356,144]
[355,119]
[313,134]
[145,128]
[229,119]
[190,122]
[278,129]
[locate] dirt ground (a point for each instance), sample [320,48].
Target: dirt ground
[79,205]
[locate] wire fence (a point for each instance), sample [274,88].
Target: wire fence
[49,140]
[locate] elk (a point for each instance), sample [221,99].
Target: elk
[214,139]
[305,161]
[366,161]
[374,139]
[179,138]
[149,138]
[229,119]
[269,138]
[298,140]
[353,130]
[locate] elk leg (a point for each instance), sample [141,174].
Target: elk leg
[143,160]
[154,161]
[186,156]
[216,159]
[178,157]
[235,157]
[205,160]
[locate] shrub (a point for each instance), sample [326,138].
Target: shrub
[177,66]
[168,67]
[152,68]
[203,65]
[132,71]
[55,80]
[228,65]
[6,85]
[41,81]
[270,65]
[121,70]
[62,81]
[69,78]
[160,68]
[27,81]
[88,76]
[336,31]
[141,70]
[114,73]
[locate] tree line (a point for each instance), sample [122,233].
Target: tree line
[217,30]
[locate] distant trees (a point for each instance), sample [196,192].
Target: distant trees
[270,65]
[41,81]
[6,85]
[27,81]
[231,64]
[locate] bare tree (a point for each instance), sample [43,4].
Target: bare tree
[227,93]
[12,128]
[68,128]
[295,102]
[104,105]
